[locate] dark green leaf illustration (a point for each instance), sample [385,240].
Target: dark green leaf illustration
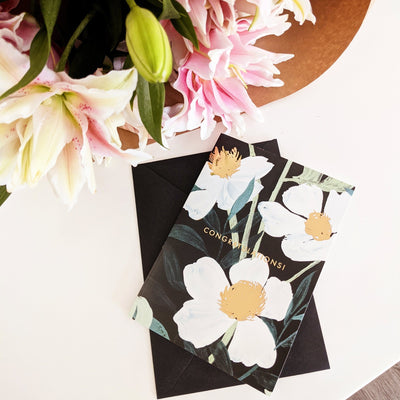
[299,297]
[221,358]
[188,235]
[173,269]
[241,225]
[212,220]
[242,199]
[232,257]
[266,380]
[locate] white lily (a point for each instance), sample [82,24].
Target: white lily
[301,8]
[59,125]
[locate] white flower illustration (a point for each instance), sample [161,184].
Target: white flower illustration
[223,179]
[218,303]
[308,229]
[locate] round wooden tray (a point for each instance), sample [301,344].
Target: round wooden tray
[316,48]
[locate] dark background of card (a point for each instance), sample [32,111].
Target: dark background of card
[160,190]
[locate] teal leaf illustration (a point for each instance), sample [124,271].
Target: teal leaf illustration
[271,326]
[242,199]
[232,257]
[212,220]
[172,268]
[3,194]
[299,297]
[142,311]
[157,327]
[288,341]
[195,188]
[298,317]
[188,235]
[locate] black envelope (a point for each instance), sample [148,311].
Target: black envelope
[161,189]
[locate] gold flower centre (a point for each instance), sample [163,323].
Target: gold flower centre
[224,163]
[242,301]
[318,226]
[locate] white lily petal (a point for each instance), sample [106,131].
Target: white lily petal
[9,145]
[278,221]
[67,176]
[302,247]
[303,199]
[100,96]
[51,117]
[201,323]
[249,269]
[205,279]
[253,343]
[23,104]
[199,203]
[335,207]
[278,297]
[13,65]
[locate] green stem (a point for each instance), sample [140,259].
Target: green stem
[232,222]
[131,3]
[313,264]
[280,182]
[249,223]
[248,373]
[64,57]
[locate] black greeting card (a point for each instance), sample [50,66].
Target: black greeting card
[241,205]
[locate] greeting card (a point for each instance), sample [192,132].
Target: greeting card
[236,273]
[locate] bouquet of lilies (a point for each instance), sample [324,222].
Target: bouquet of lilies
[74,72]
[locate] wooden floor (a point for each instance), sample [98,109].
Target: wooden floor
[385,387]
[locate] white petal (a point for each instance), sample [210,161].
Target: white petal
[335,207]
[67,176]
[250,269]
[13,65]
[9,146]
[302,247]
[253,167]
[23,104]
[253,343]
[199,203]
[201,323]
[278,221]
[100,96]
[207,181]
[205,279]
[50,118]
[278,297]
[303,199]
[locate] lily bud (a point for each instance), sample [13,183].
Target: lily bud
[148,45]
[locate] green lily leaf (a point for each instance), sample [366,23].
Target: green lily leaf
[40,46]
[169,11]
[4,195]
[184,25]
[151,98]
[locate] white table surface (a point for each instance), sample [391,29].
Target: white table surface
[68,278]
